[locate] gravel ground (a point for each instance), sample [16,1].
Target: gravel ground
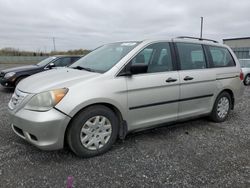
[196,153]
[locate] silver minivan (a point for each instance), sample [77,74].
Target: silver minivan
[124,87]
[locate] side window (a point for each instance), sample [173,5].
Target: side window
[221,57]
[157,56]
[191,56]
[62,62]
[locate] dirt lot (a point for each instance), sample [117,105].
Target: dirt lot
[196,153]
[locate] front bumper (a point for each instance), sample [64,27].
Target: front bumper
[45,130]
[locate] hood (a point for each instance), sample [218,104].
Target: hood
[22,68]
[54,79]
[245,70]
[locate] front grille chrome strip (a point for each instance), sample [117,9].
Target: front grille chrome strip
[16,99]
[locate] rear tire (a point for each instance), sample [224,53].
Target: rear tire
[222,107]
[93,131]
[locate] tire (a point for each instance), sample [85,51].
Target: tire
[96,138]
[223,103]
[247,80]
[19,80]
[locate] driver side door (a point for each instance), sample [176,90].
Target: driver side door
[153,96]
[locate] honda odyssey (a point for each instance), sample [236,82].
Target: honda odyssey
[124,87]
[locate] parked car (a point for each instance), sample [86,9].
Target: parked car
[245,66]
[11,77]
[124,87]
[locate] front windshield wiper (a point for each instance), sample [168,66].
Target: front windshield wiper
[84,68]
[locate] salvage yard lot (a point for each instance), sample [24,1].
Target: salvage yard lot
[196,153]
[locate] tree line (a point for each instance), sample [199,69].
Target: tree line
[17,52]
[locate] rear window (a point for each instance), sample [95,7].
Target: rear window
[221,57]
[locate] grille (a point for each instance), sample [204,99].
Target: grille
[16,98]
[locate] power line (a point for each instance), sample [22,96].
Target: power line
[201,27]
[54,43]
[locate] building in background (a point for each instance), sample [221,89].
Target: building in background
[240,46]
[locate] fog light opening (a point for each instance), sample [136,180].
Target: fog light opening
[33,137]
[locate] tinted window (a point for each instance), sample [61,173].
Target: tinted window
[221,57]
[74,59]
[191,56]
[62,62]
[156,56]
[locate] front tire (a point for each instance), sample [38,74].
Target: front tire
[93,131]
[247,80]
[222,107]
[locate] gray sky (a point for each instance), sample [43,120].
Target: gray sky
[31,24]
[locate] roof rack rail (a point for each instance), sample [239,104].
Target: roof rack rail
[186,37]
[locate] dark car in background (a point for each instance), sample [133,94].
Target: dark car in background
[11,77]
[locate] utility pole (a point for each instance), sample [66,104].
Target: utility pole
[201,27]
[54,43]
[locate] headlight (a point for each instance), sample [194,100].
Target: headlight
[46,100]
[9,75]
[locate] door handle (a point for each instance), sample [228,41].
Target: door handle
[171,80]
[188,78]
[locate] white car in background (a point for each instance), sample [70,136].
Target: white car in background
[245,66]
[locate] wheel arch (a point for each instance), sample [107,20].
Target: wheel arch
[123,129]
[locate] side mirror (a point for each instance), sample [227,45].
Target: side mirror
[134,69]
[138,68]
[51,65]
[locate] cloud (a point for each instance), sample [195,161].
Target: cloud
[30,25]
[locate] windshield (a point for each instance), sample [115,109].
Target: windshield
[105,57]
[46,61]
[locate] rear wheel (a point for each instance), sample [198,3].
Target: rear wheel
[247,80]
[222,107]
[93,131]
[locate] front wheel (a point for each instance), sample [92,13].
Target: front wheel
[222,107]
[247,80]
[93,131]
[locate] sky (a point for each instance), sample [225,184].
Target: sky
[86,24]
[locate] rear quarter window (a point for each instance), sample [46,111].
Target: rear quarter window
[221,57]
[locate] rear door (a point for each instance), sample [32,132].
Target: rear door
[153,96]
[197,81]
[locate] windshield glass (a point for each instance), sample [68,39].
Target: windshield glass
[105,57]
[245,63]
[46,61]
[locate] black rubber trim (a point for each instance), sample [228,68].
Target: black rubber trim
[62,112]
[167,102]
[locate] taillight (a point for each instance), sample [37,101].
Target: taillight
[241,75]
